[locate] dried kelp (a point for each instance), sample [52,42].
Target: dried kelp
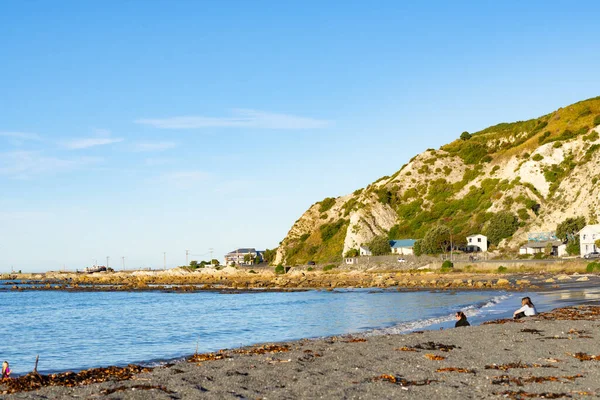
[435,346]
[520,381]
[434,357]
[521,394]
[454,369]
[355,340]
[532,331]
[518,364]
[34,381]
[585,357]
[406,348]
[208,357]
[402,381]
[264,349]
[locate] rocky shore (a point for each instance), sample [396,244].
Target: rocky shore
[229,278]
[553,355]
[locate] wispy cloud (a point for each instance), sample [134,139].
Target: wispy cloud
[20,135]
[85,143]
[155,146]
[101,138]
[27,164]
[241,118]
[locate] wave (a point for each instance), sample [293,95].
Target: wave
[470,311]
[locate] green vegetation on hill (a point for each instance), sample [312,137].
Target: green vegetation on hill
[430,196]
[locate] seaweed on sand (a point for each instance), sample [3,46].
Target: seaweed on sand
[34,381]
[402,381]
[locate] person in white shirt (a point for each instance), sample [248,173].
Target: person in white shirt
[528,309]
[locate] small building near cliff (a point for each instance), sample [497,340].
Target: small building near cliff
[402,246]
[364,251]
[536,247]
[587,239]
[477,243]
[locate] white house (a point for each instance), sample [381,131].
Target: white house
[404,246]
[587,236]
[534,247]
[477,242]
[365,251]
[351,260]
[237,256]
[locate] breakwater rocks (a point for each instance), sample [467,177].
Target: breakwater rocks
[232,279]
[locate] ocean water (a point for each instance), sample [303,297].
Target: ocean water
[73,331]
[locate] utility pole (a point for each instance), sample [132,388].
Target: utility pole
[187,261]
[107,258]
[165,259]
[123,260]
[211,255]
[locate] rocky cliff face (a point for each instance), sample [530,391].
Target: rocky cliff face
[541,171]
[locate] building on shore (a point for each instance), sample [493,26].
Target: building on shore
[587,239]
[402,246]
[243,256]
[364,251]
[536,247]
[477,243]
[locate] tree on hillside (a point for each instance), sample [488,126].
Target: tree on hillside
[194,264]
[417,248]
[436,240]
[568,229]
[465,135]
[352,253]
[247,258]
[501,225]
[269,255]
[379,245]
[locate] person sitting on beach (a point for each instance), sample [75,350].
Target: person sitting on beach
[528,309]
[461,319]
[5,370]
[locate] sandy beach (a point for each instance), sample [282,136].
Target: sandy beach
[553,355]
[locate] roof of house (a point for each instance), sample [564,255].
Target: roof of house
[395,244]
[477,234]
[241,251]
[541,244]
[593,228]
[364,247]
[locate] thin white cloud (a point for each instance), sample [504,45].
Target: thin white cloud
[155,146]
[85,143]
[20,135]
[242,118]
[27,164]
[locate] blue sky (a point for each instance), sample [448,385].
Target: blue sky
[134,128]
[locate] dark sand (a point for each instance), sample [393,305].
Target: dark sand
[554,347]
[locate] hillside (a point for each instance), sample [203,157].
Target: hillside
[540,171]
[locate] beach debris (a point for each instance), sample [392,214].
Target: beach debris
[518,364]
[585,357]
[521,394]
[264,349]
[137,387]
[406,348]
[402,381]
[208,357]
[34,381]
[503,321]
[532,331]
[436,346]
[455,369]
[520,381]
[580,334]
[355,340]
[434,357]
[552,360]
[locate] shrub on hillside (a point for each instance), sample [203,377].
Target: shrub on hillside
[352,253]
[597,120]
[436,240]
[326,204]
[501,225]
[329,267]
[465,135]
[329,230]
[280,269]
[537,157]
[502,269]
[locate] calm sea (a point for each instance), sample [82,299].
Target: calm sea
[72,331]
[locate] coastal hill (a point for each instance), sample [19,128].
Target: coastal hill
[533,174]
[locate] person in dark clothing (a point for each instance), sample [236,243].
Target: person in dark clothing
[461,319]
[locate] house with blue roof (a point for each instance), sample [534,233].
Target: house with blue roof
[402,246]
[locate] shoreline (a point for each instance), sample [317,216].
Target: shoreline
[382,366]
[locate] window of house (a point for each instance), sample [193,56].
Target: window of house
[583,237]
[470,240]
[479,240]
